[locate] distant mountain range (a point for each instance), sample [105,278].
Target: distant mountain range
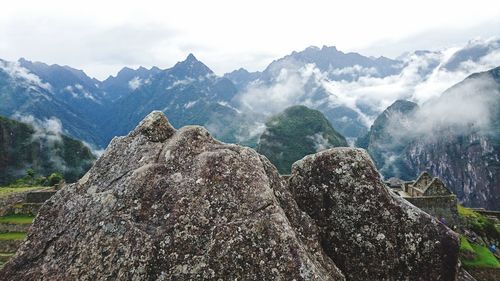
[349,89]
[234,107]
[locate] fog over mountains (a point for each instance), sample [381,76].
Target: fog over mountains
[350,89]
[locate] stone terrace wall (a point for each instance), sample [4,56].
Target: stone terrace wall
[39,196]
[438,206]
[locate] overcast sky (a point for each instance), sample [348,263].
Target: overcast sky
[101,37]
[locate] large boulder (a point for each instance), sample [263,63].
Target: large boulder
[166,204]
[370,233]
[162,204]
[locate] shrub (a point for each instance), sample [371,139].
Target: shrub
[54,178]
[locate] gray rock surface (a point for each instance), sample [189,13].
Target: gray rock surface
[369,233]
[167,205]
[162,204]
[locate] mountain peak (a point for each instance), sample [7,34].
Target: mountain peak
[190,67]
[191,57]
[311,48]
[329,48]
[402,106]
[23,60]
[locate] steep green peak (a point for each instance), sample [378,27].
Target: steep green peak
[295,133]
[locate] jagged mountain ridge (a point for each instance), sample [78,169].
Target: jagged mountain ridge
[126,81]
[91,110]
[74,87]
[97,111]
[23,94]
[189,92]
[332,61]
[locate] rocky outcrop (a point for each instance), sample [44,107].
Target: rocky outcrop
[368,233]
[162,204]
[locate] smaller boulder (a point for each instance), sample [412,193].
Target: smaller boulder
[369,233]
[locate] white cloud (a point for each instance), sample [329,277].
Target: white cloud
[356,70]
[320,142]
[48,132]
[22,75]
[190,104]
[422,79]
[78,91]
[289,88]
[467,106]
[134,83]
[181,83]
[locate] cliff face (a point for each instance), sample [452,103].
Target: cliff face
[162,204]
[469,165]
[387,140]
[456,137]
[467,159]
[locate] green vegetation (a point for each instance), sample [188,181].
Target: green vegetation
[466,212]
[465,245]
[30,179]
[472,254]
[483,257]
[478,223]
[17,219]
[54,178]
[25,148]
[295,133]
[12,236]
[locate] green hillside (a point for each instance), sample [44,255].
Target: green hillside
[22,147]
[295,133]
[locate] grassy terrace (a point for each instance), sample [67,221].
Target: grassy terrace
[17,219]
[6,191]
[12,236]
[475,255]
[465,246]
[483,256]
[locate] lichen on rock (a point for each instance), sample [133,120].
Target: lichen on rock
[166,204]
[162,204]
[369,233]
